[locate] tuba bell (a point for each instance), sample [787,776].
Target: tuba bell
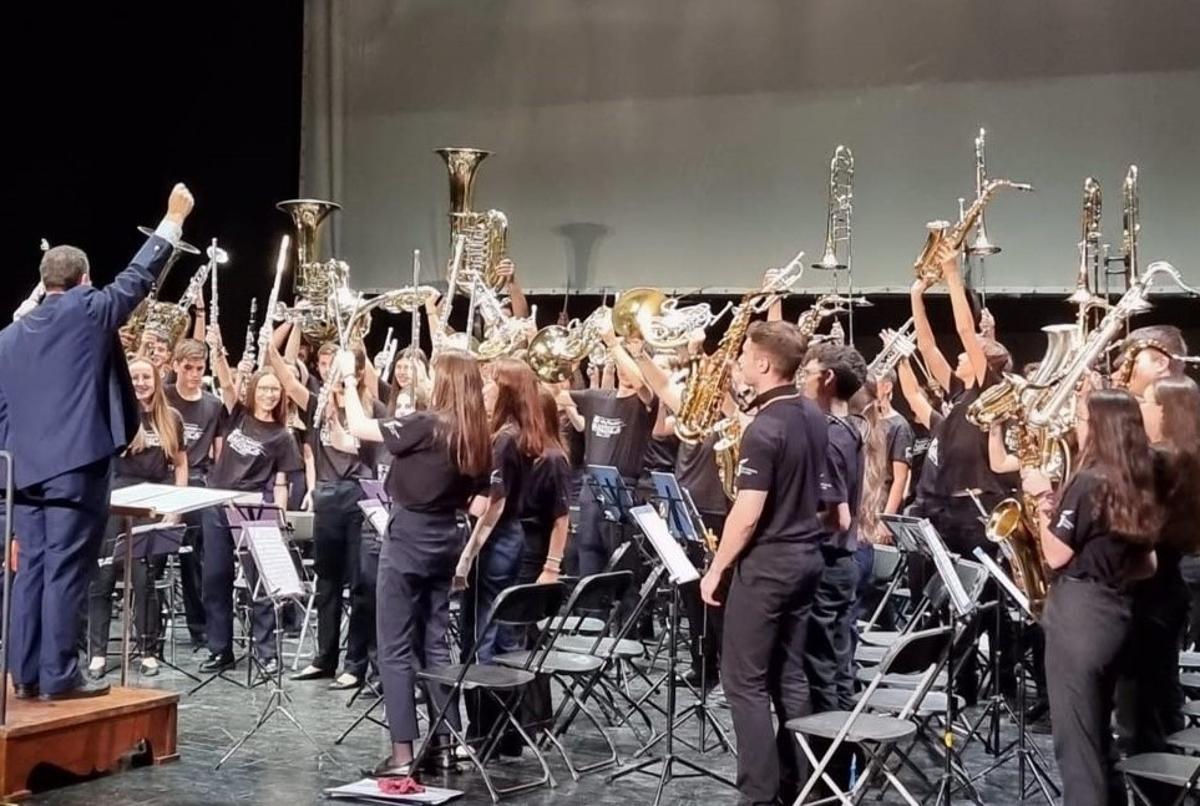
[320,287]
[485,233]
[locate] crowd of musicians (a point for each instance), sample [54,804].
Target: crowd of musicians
[483,463]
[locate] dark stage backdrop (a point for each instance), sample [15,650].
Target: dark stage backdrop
[687,142]
[111,103]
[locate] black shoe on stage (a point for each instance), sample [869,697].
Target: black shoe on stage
[439,760]
[711,679]
[85,689]
[311,672]
[218,662]
[25,691]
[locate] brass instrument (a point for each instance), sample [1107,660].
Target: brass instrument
[161,316]
[839,210]
[1131,227]
[485,233]
[321,288]
[898,345]
[704,393]
[170,322]
[927,266]
[823,307]
[555,350]
[981,245]
[1083,297]
[727,452]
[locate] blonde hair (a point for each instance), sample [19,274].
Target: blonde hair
[162,416]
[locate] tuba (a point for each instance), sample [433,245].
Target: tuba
[485,233]
[321,288]
[926,266]
[708,382]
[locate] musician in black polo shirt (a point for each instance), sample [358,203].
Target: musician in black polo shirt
[202,414]
[832,374]
[770,548]
[617,425]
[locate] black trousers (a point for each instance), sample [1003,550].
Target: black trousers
[337,542]
[191,567]
[147,612]
[416,565]
[828,658]
[362,599]
[704,623]
[1086,627]
[219,572]
[762,663]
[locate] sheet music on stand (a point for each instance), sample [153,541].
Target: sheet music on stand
[901,529]
[277,576]
[679,505]
[679,567]
[944,564]
[1004,580]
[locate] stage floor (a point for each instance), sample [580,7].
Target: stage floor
[278,766]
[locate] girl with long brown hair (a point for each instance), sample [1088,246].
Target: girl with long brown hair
[1151,696]
[156,454]
[440,458]
[259,451]
[1100,538]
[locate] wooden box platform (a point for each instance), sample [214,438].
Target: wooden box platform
[84,736]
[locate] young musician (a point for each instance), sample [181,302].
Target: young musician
[832,374]
[1153,697]
[546,500]
[258,453]
[770,548]
[1100,538]
[407,393]
[202,414]
[68,409]
[442,458]
[334,464]
[156,455]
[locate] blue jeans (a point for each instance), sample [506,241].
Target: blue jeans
[496,568]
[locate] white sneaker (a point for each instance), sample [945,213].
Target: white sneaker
[97,668]
[149,667]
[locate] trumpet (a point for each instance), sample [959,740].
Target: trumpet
[899,345]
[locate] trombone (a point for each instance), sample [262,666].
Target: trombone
[838,225]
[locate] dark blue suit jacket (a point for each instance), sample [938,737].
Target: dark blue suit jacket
[65,396]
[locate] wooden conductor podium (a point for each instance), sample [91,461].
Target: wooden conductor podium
[92,735]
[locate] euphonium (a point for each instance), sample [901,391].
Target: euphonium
[319,286]
[485,233]
[927,267]
[704,393]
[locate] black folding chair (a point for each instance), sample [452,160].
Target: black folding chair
[517,607]
[1171,769]
[595,593]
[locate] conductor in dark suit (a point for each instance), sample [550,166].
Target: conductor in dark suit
[69,408]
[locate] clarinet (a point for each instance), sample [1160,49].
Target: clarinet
[248,350]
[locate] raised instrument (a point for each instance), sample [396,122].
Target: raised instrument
[898,344]
[215,297]
[321,287]
[264,334]
[823,307]
[1090,258]
[1131,228]
[162,317]
[554,350]
[981,244]
[170,322]
[927,266]
[707,384]
[839,212]
[485,233]
[248,346]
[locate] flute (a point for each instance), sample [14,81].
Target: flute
[264,335]
[215,303]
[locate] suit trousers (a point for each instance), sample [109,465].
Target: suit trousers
[704,622]
[60,525]
[762,663]
[337,540]
[219,558]
[1086,627]
[416,566]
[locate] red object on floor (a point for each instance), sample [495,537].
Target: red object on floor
[400,786]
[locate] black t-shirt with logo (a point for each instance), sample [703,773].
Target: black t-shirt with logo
[660,454]
[149,464]
[696,471]
[783,454]
[424,476]
[927,484]
[842,482]
[547,491]
[899,437]
[1100,555]
[963,448]
[330,463]
[254,451]
[616,429]
[201,423]
[510,470]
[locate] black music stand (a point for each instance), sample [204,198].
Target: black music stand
[278,582]
[611,492]
[680,571]
[1023,748]
[151,541]
[686,525]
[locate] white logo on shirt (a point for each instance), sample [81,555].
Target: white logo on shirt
[744,468]
[932,455]
[191,433]
[496,478]
[243,445]
[150,438]
[1066,520]
[393,427]
[607,427]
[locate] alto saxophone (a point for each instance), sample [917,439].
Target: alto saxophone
[927,267]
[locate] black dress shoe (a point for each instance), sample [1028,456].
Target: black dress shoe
[387,769]
[711,679]
[442,759]
[312,673]
[86,689]
[25,691]
[218,662]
